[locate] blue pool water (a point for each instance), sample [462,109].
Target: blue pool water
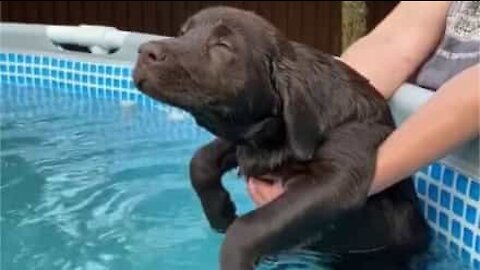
[95,184]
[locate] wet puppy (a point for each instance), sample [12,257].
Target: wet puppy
[282,111]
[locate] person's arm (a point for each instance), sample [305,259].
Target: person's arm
[387,56]
[449,119]
[392,51]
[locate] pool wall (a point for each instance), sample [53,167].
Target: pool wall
[449,188]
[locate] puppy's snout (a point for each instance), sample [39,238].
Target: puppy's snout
[153,52]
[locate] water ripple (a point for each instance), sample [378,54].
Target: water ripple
[85,187]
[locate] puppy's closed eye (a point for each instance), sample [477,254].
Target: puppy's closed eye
[221,37]
[223,43]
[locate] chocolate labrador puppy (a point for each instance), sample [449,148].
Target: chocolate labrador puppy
[282,111]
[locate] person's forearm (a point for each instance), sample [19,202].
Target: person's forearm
[398,45]
[449,119]
[370,57]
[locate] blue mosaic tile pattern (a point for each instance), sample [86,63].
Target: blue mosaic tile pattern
[90,79]
[449,199]
[172,124]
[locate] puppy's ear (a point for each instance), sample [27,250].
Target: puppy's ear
[298,111]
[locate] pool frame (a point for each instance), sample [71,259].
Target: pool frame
[449,188]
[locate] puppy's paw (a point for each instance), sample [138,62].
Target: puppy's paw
[222,216]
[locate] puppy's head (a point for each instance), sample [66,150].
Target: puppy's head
[217,68]
[223,68]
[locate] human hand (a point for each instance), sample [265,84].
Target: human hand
[262,192]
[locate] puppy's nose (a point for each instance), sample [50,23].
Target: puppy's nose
[153,52]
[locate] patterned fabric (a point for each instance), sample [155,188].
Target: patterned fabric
[459,49]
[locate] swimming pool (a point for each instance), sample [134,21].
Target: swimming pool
[94,173]
[97,185]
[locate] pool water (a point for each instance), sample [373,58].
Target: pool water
[100,184]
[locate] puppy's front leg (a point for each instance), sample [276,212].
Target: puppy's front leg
[206,169]
[336,183]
